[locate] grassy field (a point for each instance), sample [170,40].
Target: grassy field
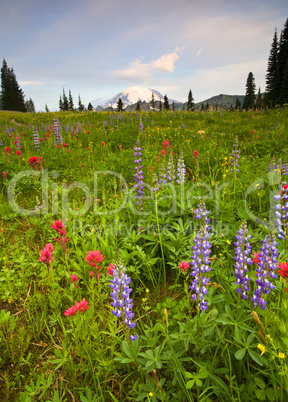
[177,219]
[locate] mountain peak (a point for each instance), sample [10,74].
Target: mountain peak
[132,95]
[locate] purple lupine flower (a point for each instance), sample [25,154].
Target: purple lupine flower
[141,126]
[18,143]
[265,270]
[138,176]
[162,174]
[282,211]
[36,139]
[181,169]
[57,136]
[200,258]
[284,169]
[155,183]
[242,251]
[235,157]
[121,297]
[170,169]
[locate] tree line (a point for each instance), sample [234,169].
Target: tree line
[276,92]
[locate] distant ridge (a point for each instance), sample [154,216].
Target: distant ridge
[223,101]
[130,96]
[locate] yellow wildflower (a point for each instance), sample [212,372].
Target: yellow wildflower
[281,355]
[150,394]
[262,348]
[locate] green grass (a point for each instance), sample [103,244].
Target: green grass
[181,354]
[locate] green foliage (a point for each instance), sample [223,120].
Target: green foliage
[12,96]
[181,353]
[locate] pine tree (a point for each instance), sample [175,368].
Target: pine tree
[46,108]
[259,100]
[90,106]
[30,107]
[207,106]
[120,106]
[190,103]
[173,106]
[160,105]
[166,103]
[65,102]
[60,104]
[249,100]
[237,104]
[12,96]
[272,74]
[282,66]
[70,102]
[153,101]
[81,107]
[138,107]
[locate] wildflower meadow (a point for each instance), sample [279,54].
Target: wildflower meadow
[144,256]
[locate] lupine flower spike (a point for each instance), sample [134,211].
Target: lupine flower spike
[200,258]
[235,157]
[282,212]
[265,270]
[122,304]
[181,169]
[138,176]
[242,251]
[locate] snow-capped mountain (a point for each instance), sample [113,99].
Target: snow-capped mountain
[132,95]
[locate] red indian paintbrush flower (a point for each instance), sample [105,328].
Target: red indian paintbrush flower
[94,257]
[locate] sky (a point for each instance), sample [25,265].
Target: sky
[97,48]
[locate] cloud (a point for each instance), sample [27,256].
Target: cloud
[31,83]
[198,53]
[140,71]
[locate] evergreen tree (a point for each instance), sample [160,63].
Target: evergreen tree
[282,66]
[81,107]
[65,102]
[173,106]
[190,103]
[70,102]
[284,89]
[166,103]
[207,106]
[259,100]
[90,106]
[160,105]
[120,106]
[138,107]
[202,106]
[12,96]
[237,104]
[30,107]
[60,104]
[249,100]
[272,74]
[153,101]
[46,108]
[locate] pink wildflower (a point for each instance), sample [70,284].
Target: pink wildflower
[94,257]
[183,266]
[110,269]
[71,311]
[58,226]
[74,279]
[82,306]
[46,254]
